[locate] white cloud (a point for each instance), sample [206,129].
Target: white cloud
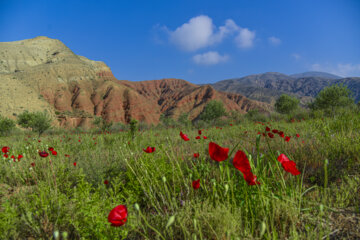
[209,58]
[200,32]
[245,38]
[274,41]
[343,70]
[296,56]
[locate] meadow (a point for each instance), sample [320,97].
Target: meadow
[176,190]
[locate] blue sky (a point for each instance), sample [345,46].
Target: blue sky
[199,41]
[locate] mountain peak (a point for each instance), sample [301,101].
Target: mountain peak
[315,74]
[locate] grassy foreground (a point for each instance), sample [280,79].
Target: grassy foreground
[72,193]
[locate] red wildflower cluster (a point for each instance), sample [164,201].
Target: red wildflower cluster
[241,162]
[196,184]
[184,136]
[288,165]
[218,153]
[149,149]
[118,216]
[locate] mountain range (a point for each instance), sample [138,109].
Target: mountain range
[43,74]
[267,87]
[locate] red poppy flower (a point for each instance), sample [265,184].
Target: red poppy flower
[5,149]
[218,153]
[205,137]
[51,149]
[106,182]
[264,134]
[275,131]
[43,154]
[297,135]
[6,156]
[281,134]
[271,135]
[196,155]
[74,164]
[39,140]
[287,139]
[258,133]
[67,155]
[33,164]
[184,136]
[267,129]
[118,216]
[54,153]
[241,163]
[12,156]
[198,137]
[149,149]
[288,165]
[79,140]
[199,132]
[196,184]
[20,157]
[230,124]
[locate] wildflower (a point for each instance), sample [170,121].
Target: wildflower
[118,216]
[106,182]
[54,153]
[6,156]
[275,131]
[241,163]
[287,139]
[267,129]
[198,137]
[196,155]
[205,137]
[199,132]
[51,149]
[271,135]
[218,153]
[196,184]
[74,164]
[5,149]
[184,136]
[288,165]
[20,157]
[43,154]
[149,149]
[297,135]
[33,164]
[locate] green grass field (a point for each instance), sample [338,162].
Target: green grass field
[41,196]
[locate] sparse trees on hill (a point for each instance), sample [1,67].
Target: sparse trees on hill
[333,97]
[286,104]
[213,110]
[37,121]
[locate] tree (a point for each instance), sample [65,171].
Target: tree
[102,124]
[332,98]
[213,110]
[6,125]
[286,104]
[38,121]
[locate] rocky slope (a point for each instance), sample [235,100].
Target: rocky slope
[42,73]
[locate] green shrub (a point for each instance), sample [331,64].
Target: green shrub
[212,111]
[6,126]
[37,121]
[286,104]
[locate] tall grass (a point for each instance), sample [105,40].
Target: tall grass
[54,196]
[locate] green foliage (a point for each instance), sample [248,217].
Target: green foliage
[167,121]
[102,124]
[212,111]
[333,97]
[37,121]
[184,120]
[286,104]
[133,128]
[255,115]
[6,126]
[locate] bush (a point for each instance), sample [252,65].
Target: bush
[37,121]
[286,104]
[255,115]
[167,121]
[212,111]
[6,126]
[333,97]
[184,120]
[102,124]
